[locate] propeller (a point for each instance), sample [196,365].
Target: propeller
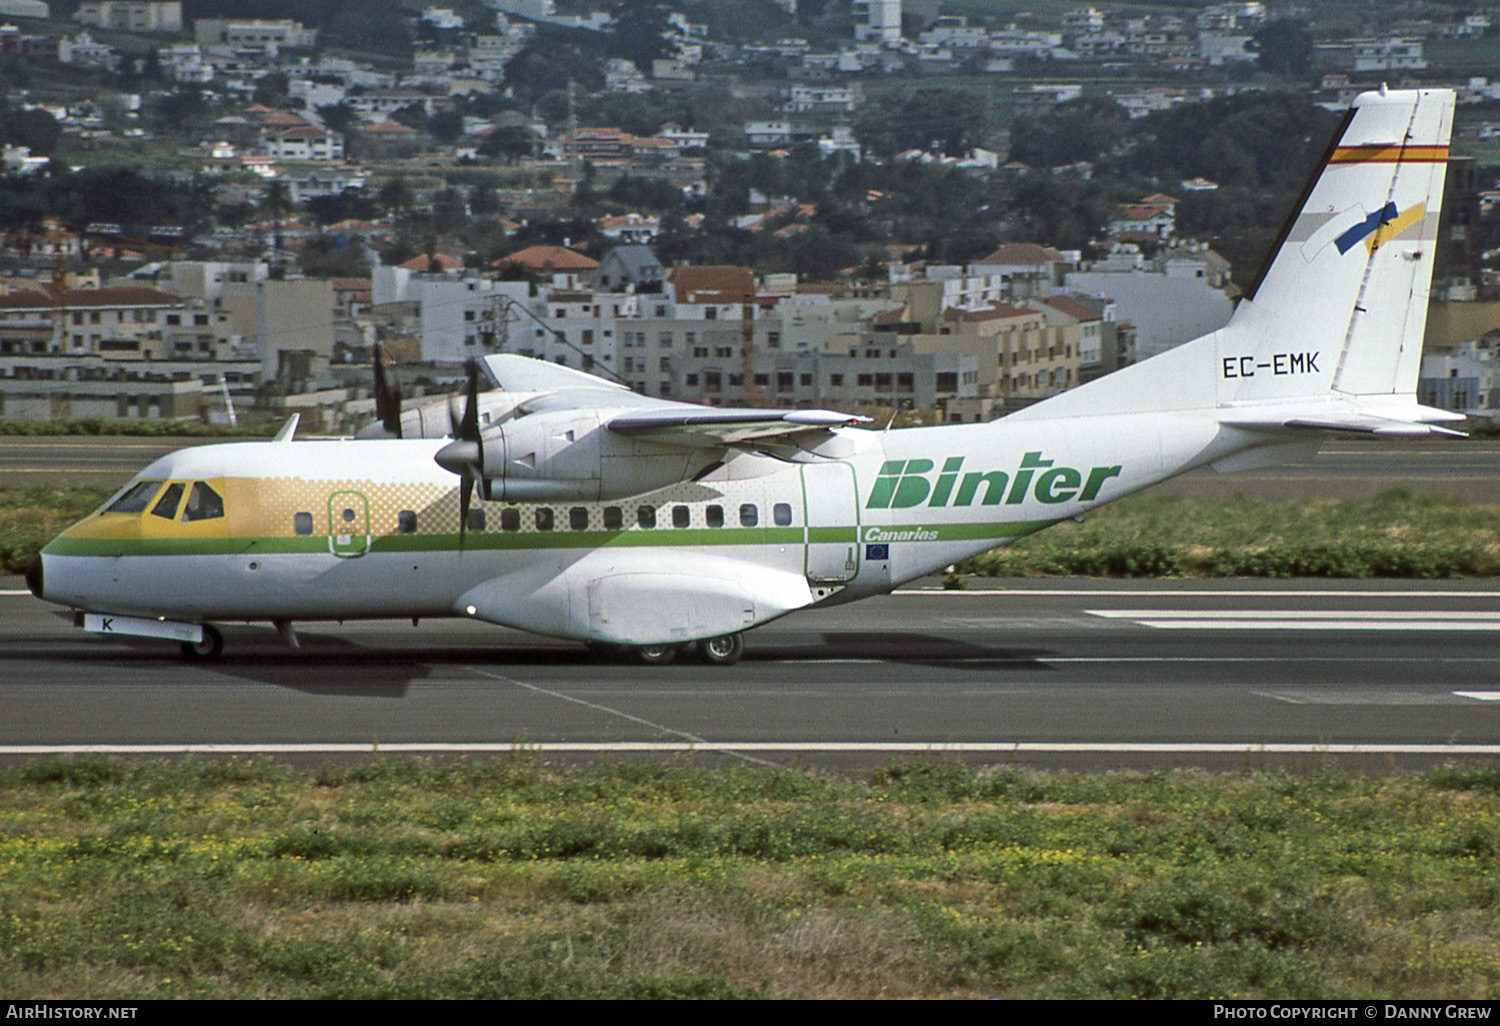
[464,455]
[387,398]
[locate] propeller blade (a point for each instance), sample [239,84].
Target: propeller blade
[466,492]
[468,428]
[387,398]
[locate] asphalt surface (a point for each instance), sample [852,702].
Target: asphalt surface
[1345,468]
[1072,673]
[1054,673]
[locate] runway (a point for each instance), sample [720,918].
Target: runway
[1048,673]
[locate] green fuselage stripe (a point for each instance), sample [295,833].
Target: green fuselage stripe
[532,540]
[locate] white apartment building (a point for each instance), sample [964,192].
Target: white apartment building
[132,15]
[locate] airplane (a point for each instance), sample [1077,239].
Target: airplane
[567,506]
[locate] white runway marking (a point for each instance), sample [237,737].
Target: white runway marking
[1305,619]
[739,747]
[689,739]
[1195,593]
[1481,696]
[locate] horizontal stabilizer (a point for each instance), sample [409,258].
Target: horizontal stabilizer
[1407,421]
[1374,426]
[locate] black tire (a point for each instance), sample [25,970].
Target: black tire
[656,655]
[723,650]
[211,647]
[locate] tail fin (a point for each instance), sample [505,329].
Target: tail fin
[1337,317]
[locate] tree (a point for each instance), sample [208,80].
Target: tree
[395,196]
[34,128]
[351,204]
[482,200]
[275,201]
[508,143]
[271,90]
[1283,47]
[640,31]
[338,117]
[334,256]
[446,125]
[1087,128]
[930,117]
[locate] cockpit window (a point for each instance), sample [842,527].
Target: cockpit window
[166,506]
[135,498]
[203,504]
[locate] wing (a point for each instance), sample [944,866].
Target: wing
[698,426]
[664,421]
[524,374]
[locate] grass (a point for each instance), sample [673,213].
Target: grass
[513,879]
[33,515]
[150,428]
[1395,534]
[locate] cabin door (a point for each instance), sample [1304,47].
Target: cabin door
[832,518]
[348,524]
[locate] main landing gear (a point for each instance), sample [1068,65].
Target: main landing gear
[720,651]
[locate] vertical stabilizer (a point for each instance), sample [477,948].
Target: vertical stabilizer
[1352,275]
[1340,309]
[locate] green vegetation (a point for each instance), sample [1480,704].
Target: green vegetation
[148,428]
[406,879]
[1395,534]
[35,514]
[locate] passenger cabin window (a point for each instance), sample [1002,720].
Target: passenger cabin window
[715,516]
[749,515]
[544,518]
[646,516]
[406,521]
[476,520]
[782,514]
[135,498]
[510,519]
[203,503]
[302,523]
[613,518]
[166,506]
[681,517]
[578,519]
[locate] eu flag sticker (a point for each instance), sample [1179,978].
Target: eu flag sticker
[875,552]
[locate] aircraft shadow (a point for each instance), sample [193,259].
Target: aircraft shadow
[918,649]
[329,665]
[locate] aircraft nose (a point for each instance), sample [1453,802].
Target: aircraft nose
[34,576]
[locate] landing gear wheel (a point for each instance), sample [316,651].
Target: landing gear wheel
[723,650]
[211,647]
[656,655]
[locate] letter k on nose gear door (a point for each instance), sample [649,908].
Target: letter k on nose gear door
[832,529]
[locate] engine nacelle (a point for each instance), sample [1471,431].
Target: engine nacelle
[569,456]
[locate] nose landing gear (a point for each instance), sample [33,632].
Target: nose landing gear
[211,647]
